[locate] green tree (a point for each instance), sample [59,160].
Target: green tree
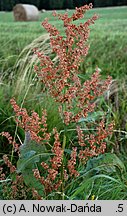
[6,5]
[1,5]
[56,4]
[101,3]
[68,4]
[44,4]
[79,3]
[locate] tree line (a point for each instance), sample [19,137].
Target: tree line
[7,5]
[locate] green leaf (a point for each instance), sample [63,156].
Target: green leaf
[29,154]
[92,117]
[32,154]
[68,151]
[32,146]
[30,160]
[107,162]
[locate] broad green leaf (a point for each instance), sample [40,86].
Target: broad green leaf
[32,146]
[30,161]
[106,162]
[68,151]
[32,154]
[92,117]
[29,154]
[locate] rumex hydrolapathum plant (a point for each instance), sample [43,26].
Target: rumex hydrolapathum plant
[75,100]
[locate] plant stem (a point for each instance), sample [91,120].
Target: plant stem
[62,167]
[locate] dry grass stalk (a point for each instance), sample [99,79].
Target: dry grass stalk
[27,59]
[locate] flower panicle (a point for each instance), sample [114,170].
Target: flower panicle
[10,140]
[2,174]
[78,14]
[95,142]
[34,124]
[72,163]
[61,77]
[9,164]
[51,181]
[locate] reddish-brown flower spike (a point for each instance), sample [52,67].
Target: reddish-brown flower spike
[11,141]
[56,161]
[57,185]
[96,142]
[2,175]
[36,174]
[34,124]
[72,163]
[9,164]
[51,29]
[36,195]
[52,174]
[80,136]
[44,165]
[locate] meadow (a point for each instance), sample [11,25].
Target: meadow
[108,51]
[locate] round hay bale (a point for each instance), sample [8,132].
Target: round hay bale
[25,12]
[43,11]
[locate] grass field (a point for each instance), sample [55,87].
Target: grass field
[108,51]
[108,39]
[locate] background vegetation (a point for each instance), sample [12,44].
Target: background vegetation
[108,50]
[7,5]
